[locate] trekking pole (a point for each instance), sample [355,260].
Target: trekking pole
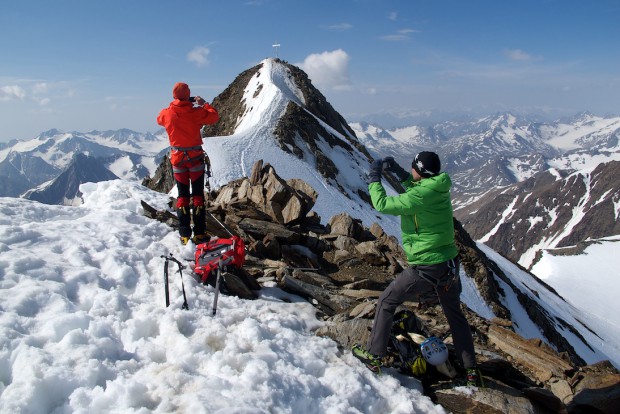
[181,267]
[167,293]
[220,223]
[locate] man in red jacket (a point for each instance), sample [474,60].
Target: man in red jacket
[183,122]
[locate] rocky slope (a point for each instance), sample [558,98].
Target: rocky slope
[549,210]
[342,267]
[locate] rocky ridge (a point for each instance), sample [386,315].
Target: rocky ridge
[308,126]
[342,267]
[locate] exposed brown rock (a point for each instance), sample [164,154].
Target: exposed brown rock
[342,267]
[539,359]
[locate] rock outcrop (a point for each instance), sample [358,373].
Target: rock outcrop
[342,267]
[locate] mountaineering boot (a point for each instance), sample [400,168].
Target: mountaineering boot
[185,240]
[199,238]
[474,378]
[371,361]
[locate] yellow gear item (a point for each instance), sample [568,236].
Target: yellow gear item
[418,366]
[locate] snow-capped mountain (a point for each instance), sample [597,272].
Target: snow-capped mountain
[551,210]
[26,165]
[65,189]
[273,108]
[500,150]
[21,172]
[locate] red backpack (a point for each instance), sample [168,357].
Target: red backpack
[230,251]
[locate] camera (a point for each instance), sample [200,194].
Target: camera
[192,99]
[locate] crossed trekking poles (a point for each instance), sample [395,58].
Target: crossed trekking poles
[222,262]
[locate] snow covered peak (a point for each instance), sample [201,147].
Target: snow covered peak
[266,96]
[272,112]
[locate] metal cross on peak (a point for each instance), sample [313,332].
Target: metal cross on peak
[277,46]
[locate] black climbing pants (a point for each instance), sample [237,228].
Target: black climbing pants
[420,283]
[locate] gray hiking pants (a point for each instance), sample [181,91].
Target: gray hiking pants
[415,283]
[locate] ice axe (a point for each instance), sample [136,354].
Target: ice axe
[166,290]
[221,263]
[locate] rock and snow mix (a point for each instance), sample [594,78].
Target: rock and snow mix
[84,327]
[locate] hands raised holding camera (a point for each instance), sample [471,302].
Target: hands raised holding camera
[197,100]
[388,164]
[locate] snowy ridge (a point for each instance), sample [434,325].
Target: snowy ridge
[84,328]
[233,156]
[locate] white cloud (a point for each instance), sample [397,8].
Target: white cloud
[328,69]
[40,88]
[393,16]
[516,54]
[198,55]
[11,92]
[340,27]
[400,35]
[395,37]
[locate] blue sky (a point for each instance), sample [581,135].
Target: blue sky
[84,65]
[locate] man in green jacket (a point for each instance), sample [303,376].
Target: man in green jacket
[427,229]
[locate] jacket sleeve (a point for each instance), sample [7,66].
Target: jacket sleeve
[161,119]
[403,204]
[209,115]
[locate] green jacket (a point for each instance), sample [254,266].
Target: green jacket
[425,211]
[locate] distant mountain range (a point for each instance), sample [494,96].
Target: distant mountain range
[28,168]
[553,209]
[514,178]
[501,149]
[64,189]
[521,186]
[498,163]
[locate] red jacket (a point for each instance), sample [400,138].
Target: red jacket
[183,122]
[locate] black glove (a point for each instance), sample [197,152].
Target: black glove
[376,168]
[390,165]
